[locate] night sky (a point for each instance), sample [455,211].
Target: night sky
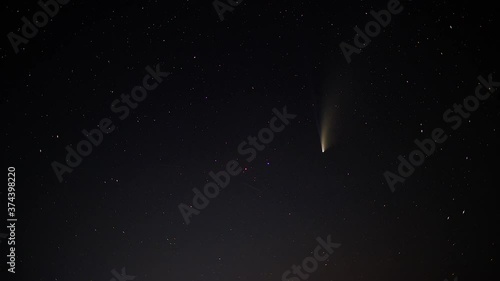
[218,84]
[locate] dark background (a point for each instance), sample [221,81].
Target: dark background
[119,207]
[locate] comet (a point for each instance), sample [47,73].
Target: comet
[327,127]
[329,98]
